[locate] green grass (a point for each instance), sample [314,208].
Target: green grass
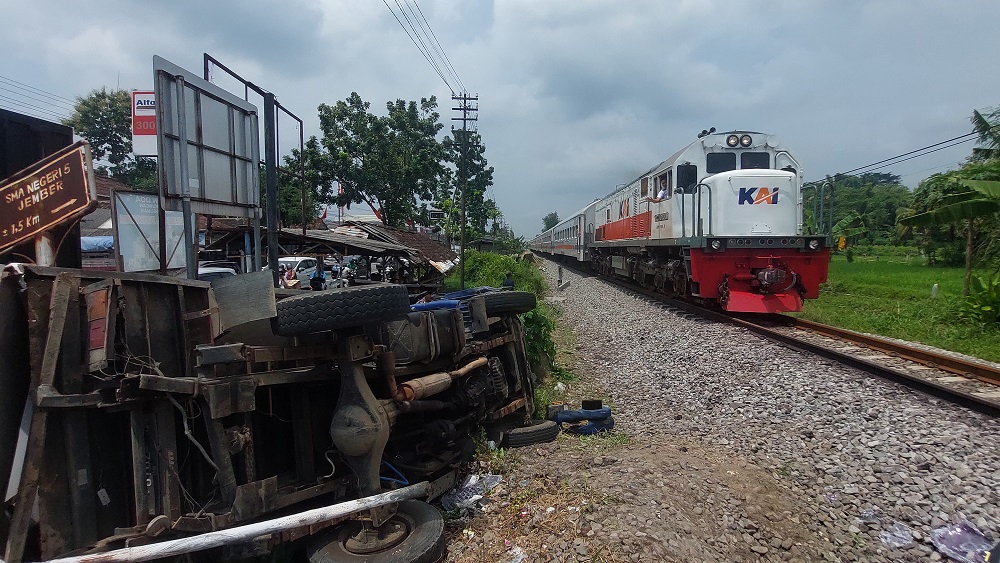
[892,297]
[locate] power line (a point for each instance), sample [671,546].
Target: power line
[440,48]
[414,40]
[30,97]
[32,107]
[427,51]
[55,97]
[923,151]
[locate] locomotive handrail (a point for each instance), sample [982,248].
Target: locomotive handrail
[701,231]
[697,229]
[822,214]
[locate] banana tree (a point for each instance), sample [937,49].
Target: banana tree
[850,226]
[982,200]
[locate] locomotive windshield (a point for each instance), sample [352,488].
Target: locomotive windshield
[716,162]
[760,160]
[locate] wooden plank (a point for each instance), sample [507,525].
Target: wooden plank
[62,287]
[219,450]
[166,434]
[140,492]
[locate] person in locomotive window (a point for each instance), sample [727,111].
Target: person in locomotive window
[662,194]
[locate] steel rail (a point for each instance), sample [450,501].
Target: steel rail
[757,324]
[949,393]
[982,372]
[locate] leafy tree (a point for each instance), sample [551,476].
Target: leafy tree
[388,162]
[317,175]
[479,210]
[549,221]
[104,119]
[988,128]
[956,201]
[865,206]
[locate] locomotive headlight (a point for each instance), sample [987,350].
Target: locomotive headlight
[814,244]
[745,141]
[716,245]
[732,141]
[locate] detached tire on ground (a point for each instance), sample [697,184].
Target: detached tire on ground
[423,543]
[509,302]
[542,431]
[318,311]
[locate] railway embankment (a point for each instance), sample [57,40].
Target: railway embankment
[730,447]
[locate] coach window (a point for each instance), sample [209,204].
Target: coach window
[716,162]
[758,160]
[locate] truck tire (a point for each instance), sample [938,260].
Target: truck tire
[509,302]
[424,543]
[543,431]
[318,311]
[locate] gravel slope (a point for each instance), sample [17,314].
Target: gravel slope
[846,455]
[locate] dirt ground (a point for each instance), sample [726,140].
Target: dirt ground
[613,498]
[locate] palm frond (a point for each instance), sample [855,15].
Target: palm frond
[948,214]
[989,188]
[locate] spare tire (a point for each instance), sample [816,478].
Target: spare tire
[543,431]
[318,311]
[508,302]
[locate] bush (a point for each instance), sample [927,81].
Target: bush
[489,269]
[983,302]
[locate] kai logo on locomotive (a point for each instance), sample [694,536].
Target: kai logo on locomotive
[755,196]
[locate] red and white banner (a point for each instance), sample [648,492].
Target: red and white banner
[143,123]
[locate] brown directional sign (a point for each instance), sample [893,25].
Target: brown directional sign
[55,189]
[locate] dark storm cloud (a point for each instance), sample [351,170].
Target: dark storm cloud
[576,96]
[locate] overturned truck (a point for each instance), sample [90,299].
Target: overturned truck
[145,417]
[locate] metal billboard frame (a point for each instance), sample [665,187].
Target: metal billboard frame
[200,129]
[218,170]
[141,231]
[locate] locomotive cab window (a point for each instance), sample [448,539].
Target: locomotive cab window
[662,185]
[687,178]
[758,160]
[716,162]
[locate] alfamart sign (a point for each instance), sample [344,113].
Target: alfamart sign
[51,191]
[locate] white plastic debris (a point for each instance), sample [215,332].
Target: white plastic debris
[899,535]
[468,494]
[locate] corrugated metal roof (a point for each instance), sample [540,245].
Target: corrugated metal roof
[355,243]
[428,249]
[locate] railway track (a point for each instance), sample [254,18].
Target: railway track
[972,384]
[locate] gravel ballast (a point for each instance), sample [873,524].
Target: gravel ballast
[797,457]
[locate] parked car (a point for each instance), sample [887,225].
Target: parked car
[209,273]
[304,267]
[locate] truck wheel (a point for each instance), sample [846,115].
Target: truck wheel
[543,431]
[416,535]
[509,302]
[319,311]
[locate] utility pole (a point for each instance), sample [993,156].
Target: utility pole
[469,113]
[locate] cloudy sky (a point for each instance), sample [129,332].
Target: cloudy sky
[575,96]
